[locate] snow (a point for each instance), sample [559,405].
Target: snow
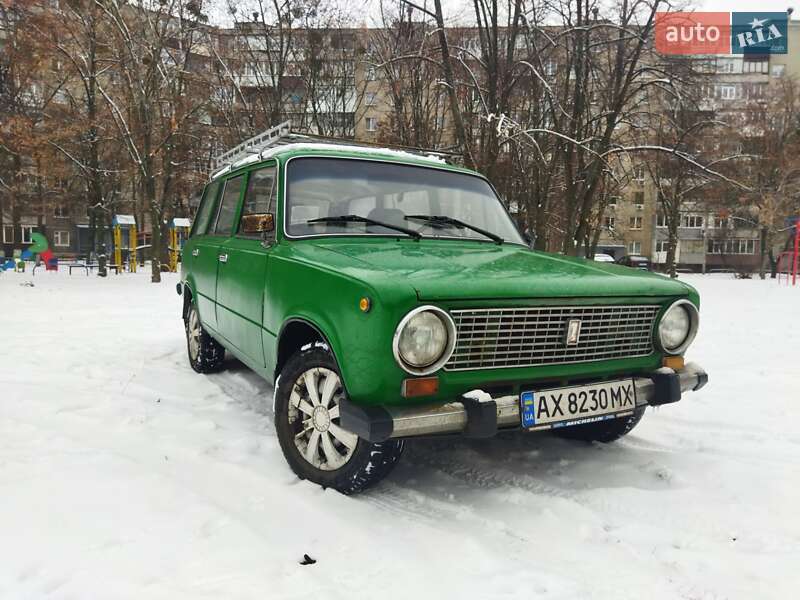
[125,475]
[479,396]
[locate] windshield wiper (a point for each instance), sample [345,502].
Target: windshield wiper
[440,220]
[358,219]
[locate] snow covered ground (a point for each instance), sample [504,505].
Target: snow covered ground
[123,474]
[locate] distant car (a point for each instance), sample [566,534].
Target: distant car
[600,257]
[636,262]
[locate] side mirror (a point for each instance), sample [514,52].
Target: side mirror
[258,223]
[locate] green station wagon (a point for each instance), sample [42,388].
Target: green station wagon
[389,295]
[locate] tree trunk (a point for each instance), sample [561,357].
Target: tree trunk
[155,228]
[763,254]
[672,246]
[450,80]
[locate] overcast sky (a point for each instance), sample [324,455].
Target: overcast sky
[751,6]
[369,11]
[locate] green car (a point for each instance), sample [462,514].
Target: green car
[389,295]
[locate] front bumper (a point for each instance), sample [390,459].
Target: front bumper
[483,417]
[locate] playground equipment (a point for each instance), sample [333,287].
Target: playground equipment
[178,232]
[791,260]
[128,222]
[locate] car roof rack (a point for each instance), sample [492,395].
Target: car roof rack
[282,134]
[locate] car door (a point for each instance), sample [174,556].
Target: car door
[211,255]
[200,260]
[242,277]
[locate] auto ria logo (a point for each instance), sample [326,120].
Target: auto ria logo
[721,32]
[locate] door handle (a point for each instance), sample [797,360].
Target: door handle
[223,258]
[196,252]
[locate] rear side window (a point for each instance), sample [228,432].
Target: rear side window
[227,206]
[203,216]
[260,195]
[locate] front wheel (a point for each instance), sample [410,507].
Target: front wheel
[307,423]
[602,431]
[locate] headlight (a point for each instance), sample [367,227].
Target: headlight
[424,340]
[678,327]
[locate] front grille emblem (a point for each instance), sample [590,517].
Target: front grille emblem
[573,332]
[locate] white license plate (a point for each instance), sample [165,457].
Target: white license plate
[575,405]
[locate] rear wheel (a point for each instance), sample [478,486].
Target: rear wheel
[602,431]
[316,447]
[205,353]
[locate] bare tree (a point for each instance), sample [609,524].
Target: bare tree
[771,137]
[152,106]
[29,87]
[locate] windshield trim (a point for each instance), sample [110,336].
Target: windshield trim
[287,235]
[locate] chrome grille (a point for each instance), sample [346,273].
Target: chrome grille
[526,337]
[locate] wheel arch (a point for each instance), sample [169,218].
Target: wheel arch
[187,295]
[297,333]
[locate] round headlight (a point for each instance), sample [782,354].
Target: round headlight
[678,327]
[424,340]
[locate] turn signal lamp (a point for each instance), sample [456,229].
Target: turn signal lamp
[423,386]
[365,304]
[673,362]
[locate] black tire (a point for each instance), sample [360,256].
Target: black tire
[208,355]
[366,464]
[602,431]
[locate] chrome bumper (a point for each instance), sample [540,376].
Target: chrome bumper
[483,418]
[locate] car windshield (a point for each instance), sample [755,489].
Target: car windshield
[333,191]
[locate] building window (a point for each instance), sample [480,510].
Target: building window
[550,67]
[27,234]
[692,221]
[638,173]
[371,98]
[8,234]
[638,200]
[636,223]
[371,73]
[735,246]
[61,211]
[661,220]
[760,65]
[727,92]
[612,201]
[61,239]
[609,222]
[661,245]
[726,65]
[777,70]
[721,223]
[635,248]
[372,124]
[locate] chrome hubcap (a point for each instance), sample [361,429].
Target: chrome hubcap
[193,332]
[314,414]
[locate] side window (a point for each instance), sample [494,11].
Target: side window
[203,216]
[260,195]
[227,206]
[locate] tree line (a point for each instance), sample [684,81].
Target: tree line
[118,104]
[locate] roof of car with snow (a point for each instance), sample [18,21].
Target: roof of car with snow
[293,150]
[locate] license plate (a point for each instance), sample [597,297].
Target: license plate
[575,405]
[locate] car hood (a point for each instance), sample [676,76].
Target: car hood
[454,270]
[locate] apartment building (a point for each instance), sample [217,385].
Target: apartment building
[709,239]
[328,86]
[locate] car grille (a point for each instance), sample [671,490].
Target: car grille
[526,337]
